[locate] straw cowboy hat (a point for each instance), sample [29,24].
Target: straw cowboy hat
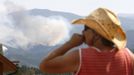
[105,23]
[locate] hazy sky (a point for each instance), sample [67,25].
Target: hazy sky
[81,7]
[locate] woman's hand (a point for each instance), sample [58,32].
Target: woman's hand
[76,40]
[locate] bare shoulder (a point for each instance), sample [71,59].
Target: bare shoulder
[74,53]
[74,59]
[68,62]
[73,56]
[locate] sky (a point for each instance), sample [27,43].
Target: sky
[80,7]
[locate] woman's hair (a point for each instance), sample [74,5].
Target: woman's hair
[107,42]
[103,40]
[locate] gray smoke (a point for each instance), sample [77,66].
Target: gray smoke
[20,29]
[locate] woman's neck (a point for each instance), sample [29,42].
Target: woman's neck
[98,44]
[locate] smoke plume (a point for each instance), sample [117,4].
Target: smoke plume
[21,29]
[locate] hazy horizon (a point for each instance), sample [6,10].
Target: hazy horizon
[81,7]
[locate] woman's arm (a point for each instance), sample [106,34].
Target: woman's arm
[55,61]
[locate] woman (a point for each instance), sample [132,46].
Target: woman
[106,55]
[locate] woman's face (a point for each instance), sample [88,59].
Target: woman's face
[88,36]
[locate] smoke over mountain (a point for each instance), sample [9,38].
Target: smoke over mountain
[23,30]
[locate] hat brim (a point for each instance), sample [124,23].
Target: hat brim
[120,39]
